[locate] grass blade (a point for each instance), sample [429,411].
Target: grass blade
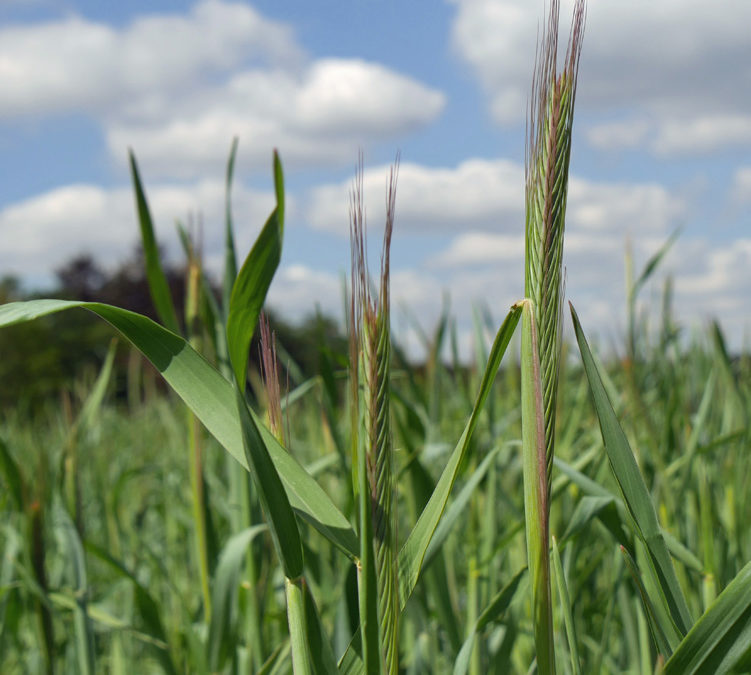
[413,552]
[252,284]
[722,635]
[158,286]
[230,257]
[493,612]
[274,500]
[222,628]
[83,631]
[568,619]
[633,489]
[210,396]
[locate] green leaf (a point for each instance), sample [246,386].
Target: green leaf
[224,592]
[211,398]
[457,507]
[12,475]
[146,606]
[633,489]
[413,552]
[492,613]
[252,284]
[720,639]
[274,500]
[568,619]
[158,286]
[230,257]
[77,565]
[661,640]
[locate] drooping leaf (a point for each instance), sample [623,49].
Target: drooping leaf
[211,398]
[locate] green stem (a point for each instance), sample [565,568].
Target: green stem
[295,592]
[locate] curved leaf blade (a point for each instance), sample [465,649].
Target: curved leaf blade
[413,552]
[210,396]
[633,489]
[722,635]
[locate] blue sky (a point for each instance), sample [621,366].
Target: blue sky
[662,140]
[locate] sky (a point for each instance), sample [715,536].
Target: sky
[662,141]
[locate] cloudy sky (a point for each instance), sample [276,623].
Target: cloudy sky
[662,141]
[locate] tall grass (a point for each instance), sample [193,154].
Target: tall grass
[413,552]
[548,154]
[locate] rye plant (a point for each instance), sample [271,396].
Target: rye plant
[548,152]
[292,549]
[373,461]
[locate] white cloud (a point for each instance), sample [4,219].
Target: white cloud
[321,114]
[477,194]
[42,233]
[618,135]
[297,289]
[75,64]
[177,87]
[675,66]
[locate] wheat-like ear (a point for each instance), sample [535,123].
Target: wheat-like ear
[370,352]
[548,150]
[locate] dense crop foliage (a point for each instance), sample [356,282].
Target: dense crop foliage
[556,513]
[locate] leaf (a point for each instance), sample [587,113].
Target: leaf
[453,512]
[77,561]
[146,606]
[211,398]
[230,258]
[271,493]
[252,284]
[158,286]
[492,613]
[413,552]
[633,489]
[222,626]
[12,475]
[568,619]
[722,635]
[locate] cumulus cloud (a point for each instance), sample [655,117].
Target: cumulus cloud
[488,196]
[320,114]
[41,233]
[678,67]
[75,64]
[176,87]
[478,194]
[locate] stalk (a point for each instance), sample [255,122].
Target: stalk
[547,161]
[372,468]
[193,329]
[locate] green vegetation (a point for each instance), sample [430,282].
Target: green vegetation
[374,516]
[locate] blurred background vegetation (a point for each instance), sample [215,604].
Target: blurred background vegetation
[42,359]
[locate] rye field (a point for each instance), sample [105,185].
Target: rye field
[554,505]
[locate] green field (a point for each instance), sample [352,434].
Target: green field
[183,506]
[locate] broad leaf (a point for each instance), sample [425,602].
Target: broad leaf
[211,398]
